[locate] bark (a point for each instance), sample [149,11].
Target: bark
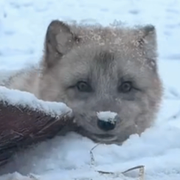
[22,126]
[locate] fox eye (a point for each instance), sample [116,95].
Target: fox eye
[83,86]
[125,87]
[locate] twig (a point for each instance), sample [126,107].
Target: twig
[140,176]
[91,154]
[141,171]
[131,169]
[140,167]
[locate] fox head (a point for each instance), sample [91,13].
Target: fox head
[101,69]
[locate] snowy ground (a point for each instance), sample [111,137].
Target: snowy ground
[22,28]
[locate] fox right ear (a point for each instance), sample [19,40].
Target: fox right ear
[148,41]
[58,41]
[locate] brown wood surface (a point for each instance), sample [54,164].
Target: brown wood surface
[23,126]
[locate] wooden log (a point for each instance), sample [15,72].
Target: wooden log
[25,123]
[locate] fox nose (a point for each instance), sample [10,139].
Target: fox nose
[106,123]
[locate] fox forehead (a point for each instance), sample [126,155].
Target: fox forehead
[95,65]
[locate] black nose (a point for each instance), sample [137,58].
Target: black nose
[106,125]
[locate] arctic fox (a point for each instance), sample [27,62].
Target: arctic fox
[95,69]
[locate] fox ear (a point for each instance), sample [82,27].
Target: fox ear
[58,41]
[147,41]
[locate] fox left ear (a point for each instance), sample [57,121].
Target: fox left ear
[147,41]
[59,41]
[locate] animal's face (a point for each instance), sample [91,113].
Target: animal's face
[92,78]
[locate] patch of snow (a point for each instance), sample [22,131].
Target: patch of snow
[16,97]
[107,116]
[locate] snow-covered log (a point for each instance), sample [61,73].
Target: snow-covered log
[25,120]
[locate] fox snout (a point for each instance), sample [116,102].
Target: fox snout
[105,125]
[107,120]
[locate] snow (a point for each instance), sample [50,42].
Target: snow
[22,28]
[107,116]
[16,97]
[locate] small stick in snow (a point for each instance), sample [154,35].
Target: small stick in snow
[92,155]
[141,172]
[140,167]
